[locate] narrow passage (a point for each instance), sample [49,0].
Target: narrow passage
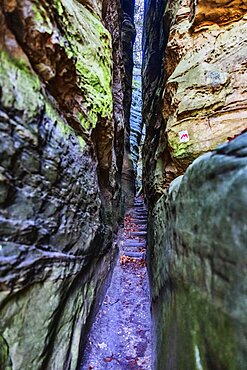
[120,337]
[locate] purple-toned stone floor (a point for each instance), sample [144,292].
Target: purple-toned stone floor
[121,336]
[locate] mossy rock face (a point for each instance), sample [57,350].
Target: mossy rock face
[70,49]
[20,88]
[55,243]
[5,361]
[48,157]
[196,334]
[93,57]
[44,322]
[198,84]
[197,252]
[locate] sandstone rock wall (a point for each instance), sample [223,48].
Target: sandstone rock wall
[62,132]
[194,81]
[128,36]
[136,122]
[203,87]
[155,38]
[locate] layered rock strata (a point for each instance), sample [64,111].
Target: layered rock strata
[155,37]
[136,117]
[202,93]
[194,98]
[128,37]
[136,122]
[62,129]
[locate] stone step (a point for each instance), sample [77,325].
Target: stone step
[138,201]
[137,230]
[135,254]
[135,221]
[139,205]
[136,214]
[140,210]
[132,249]
[141,228]
[140,234]
[141,222]
[138,227]
[129,243]
[139,215]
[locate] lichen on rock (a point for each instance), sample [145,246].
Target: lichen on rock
[93,58]
[56,231]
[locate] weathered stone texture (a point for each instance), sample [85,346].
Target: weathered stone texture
[136,121]
[204,83]
[206,92]
[194,79]
[128,37]
[59,176]
[197,262]
[155,37]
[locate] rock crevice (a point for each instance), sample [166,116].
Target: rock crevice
[62,122]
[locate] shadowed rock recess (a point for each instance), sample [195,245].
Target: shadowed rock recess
[67,176]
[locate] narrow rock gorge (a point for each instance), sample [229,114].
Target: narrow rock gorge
[76,96]
[63,83]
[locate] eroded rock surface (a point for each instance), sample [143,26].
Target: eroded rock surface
[62,134]
[204,82]
[136,122]
[194,83]
[198,261]
[128,36]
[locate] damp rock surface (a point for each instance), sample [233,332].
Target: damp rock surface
[198,257]
[61,153]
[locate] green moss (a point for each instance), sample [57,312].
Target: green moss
[21,92]
[59,7]
[20,87]
[197,333]
[37,14]
[81,142]
[85,39]
[179,150]
[84,122]
[41,18]
[5,362]
[90,43]
[55,117]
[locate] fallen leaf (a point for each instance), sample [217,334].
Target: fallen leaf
[108,359]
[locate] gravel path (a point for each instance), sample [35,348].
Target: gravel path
[120,337]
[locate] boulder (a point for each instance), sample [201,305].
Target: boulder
[198,260]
